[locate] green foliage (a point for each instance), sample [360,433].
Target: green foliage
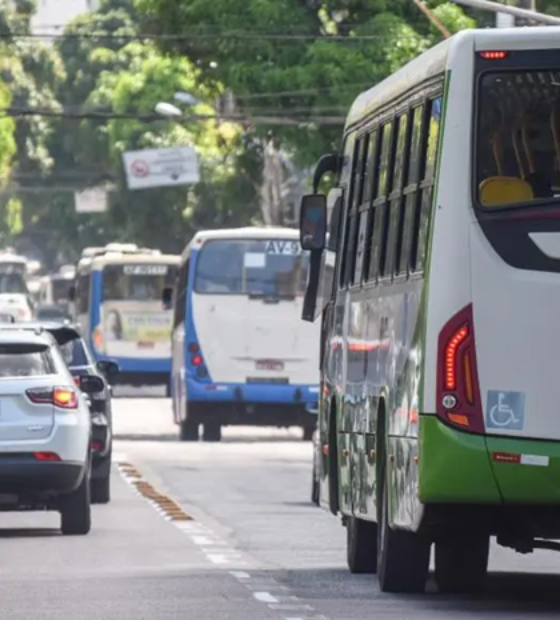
[307,74]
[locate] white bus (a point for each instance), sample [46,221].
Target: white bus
[240,353]
[118,302]
[444,429]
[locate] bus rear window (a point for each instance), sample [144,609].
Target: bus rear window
[268,267]
[131,282]
[518,138]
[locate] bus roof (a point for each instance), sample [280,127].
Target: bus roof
[434,62]
[116,258]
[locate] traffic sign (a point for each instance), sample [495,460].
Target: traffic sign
[161,167]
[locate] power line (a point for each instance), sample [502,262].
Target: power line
[186,37]
[285,119]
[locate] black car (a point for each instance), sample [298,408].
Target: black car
[81,362]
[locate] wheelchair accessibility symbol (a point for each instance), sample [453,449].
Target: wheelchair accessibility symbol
[505,410]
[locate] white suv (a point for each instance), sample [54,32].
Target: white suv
[45,430]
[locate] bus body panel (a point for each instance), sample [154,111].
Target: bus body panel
[134,333]
[239,333]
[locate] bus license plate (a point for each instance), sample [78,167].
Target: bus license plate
[145,345]
[270,365]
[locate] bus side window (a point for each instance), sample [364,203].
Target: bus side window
[182,284]
[345,183]
[369,192]
[363,208]
[411,188]
[82,294]
[424,207]
[396,201]
[379,235]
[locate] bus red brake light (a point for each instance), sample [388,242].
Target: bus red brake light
[451,356]
[493,55]
[458,396]
[197,360]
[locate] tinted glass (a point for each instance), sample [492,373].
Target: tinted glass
[275,267]
[519,122]
[23,361]
[137,282]
[75,353]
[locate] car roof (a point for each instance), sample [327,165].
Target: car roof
[62,332]
[12,336]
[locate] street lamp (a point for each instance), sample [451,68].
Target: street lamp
[167,109]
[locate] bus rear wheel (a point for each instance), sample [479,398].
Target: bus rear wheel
[188,430]
[361,546]
[404,557]
[212,431]
[461,564]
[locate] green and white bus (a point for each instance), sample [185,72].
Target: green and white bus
[435,269]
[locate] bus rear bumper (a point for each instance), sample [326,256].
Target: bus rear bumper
[253,404]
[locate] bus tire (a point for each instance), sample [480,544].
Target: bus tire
[404,557]
[188,430]
[361,546]
[212,431]
[461,564]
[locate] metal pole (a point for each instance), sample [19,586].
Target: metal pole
[532,16]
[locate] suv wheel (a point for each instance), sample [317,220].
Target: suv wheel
[75,510]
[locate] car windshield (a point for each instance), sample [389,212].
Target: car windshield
[22,360]
[275,267]
[75,353]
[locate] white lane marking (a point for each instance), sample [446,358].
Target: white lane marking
[220,553]
[265,597]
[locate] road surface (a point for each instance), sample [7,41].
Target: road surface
[244,542]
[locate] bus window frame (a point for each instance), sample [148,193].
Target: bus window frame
[421,97]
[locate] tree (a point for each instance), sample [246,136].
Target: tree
[279,57]
[31,72]
[115,74]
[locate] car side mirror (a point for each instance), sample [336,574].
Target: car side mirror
[108,368]
[72,293]
[313,222]
[90,384]
[167,297]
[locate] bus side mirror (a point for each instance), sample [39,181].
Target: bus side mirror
[313,222]
[167,298]
[72,293]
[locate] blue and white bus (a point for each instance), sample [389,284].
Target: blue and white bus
[240,354]
[117,296]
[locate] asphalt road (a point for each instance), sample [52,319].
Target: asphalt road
[256,548]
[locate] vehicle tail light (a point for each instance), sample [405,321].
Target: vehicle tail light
[197,360]
[46,456]
[493,55]
[65,398]
[61,397]
[194,348]
[458,394]
[77,381]
[96,445]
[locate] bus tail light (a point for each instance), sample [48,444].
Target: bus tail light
[458,394]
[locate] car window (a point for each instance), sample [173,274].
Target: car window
[74,353]
[23,360]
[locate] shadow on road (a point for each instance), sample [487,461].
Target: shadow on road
[28,532]
[507,595]
[145,437]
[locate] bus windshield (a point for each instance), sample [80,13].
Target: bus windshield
[140,282]
[60,289]
[263,267]
[12,282]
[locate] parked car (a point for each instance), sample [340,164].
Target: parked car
[45,430]
[80,362]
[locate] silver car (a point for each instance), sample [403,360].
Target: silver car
[45,430]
